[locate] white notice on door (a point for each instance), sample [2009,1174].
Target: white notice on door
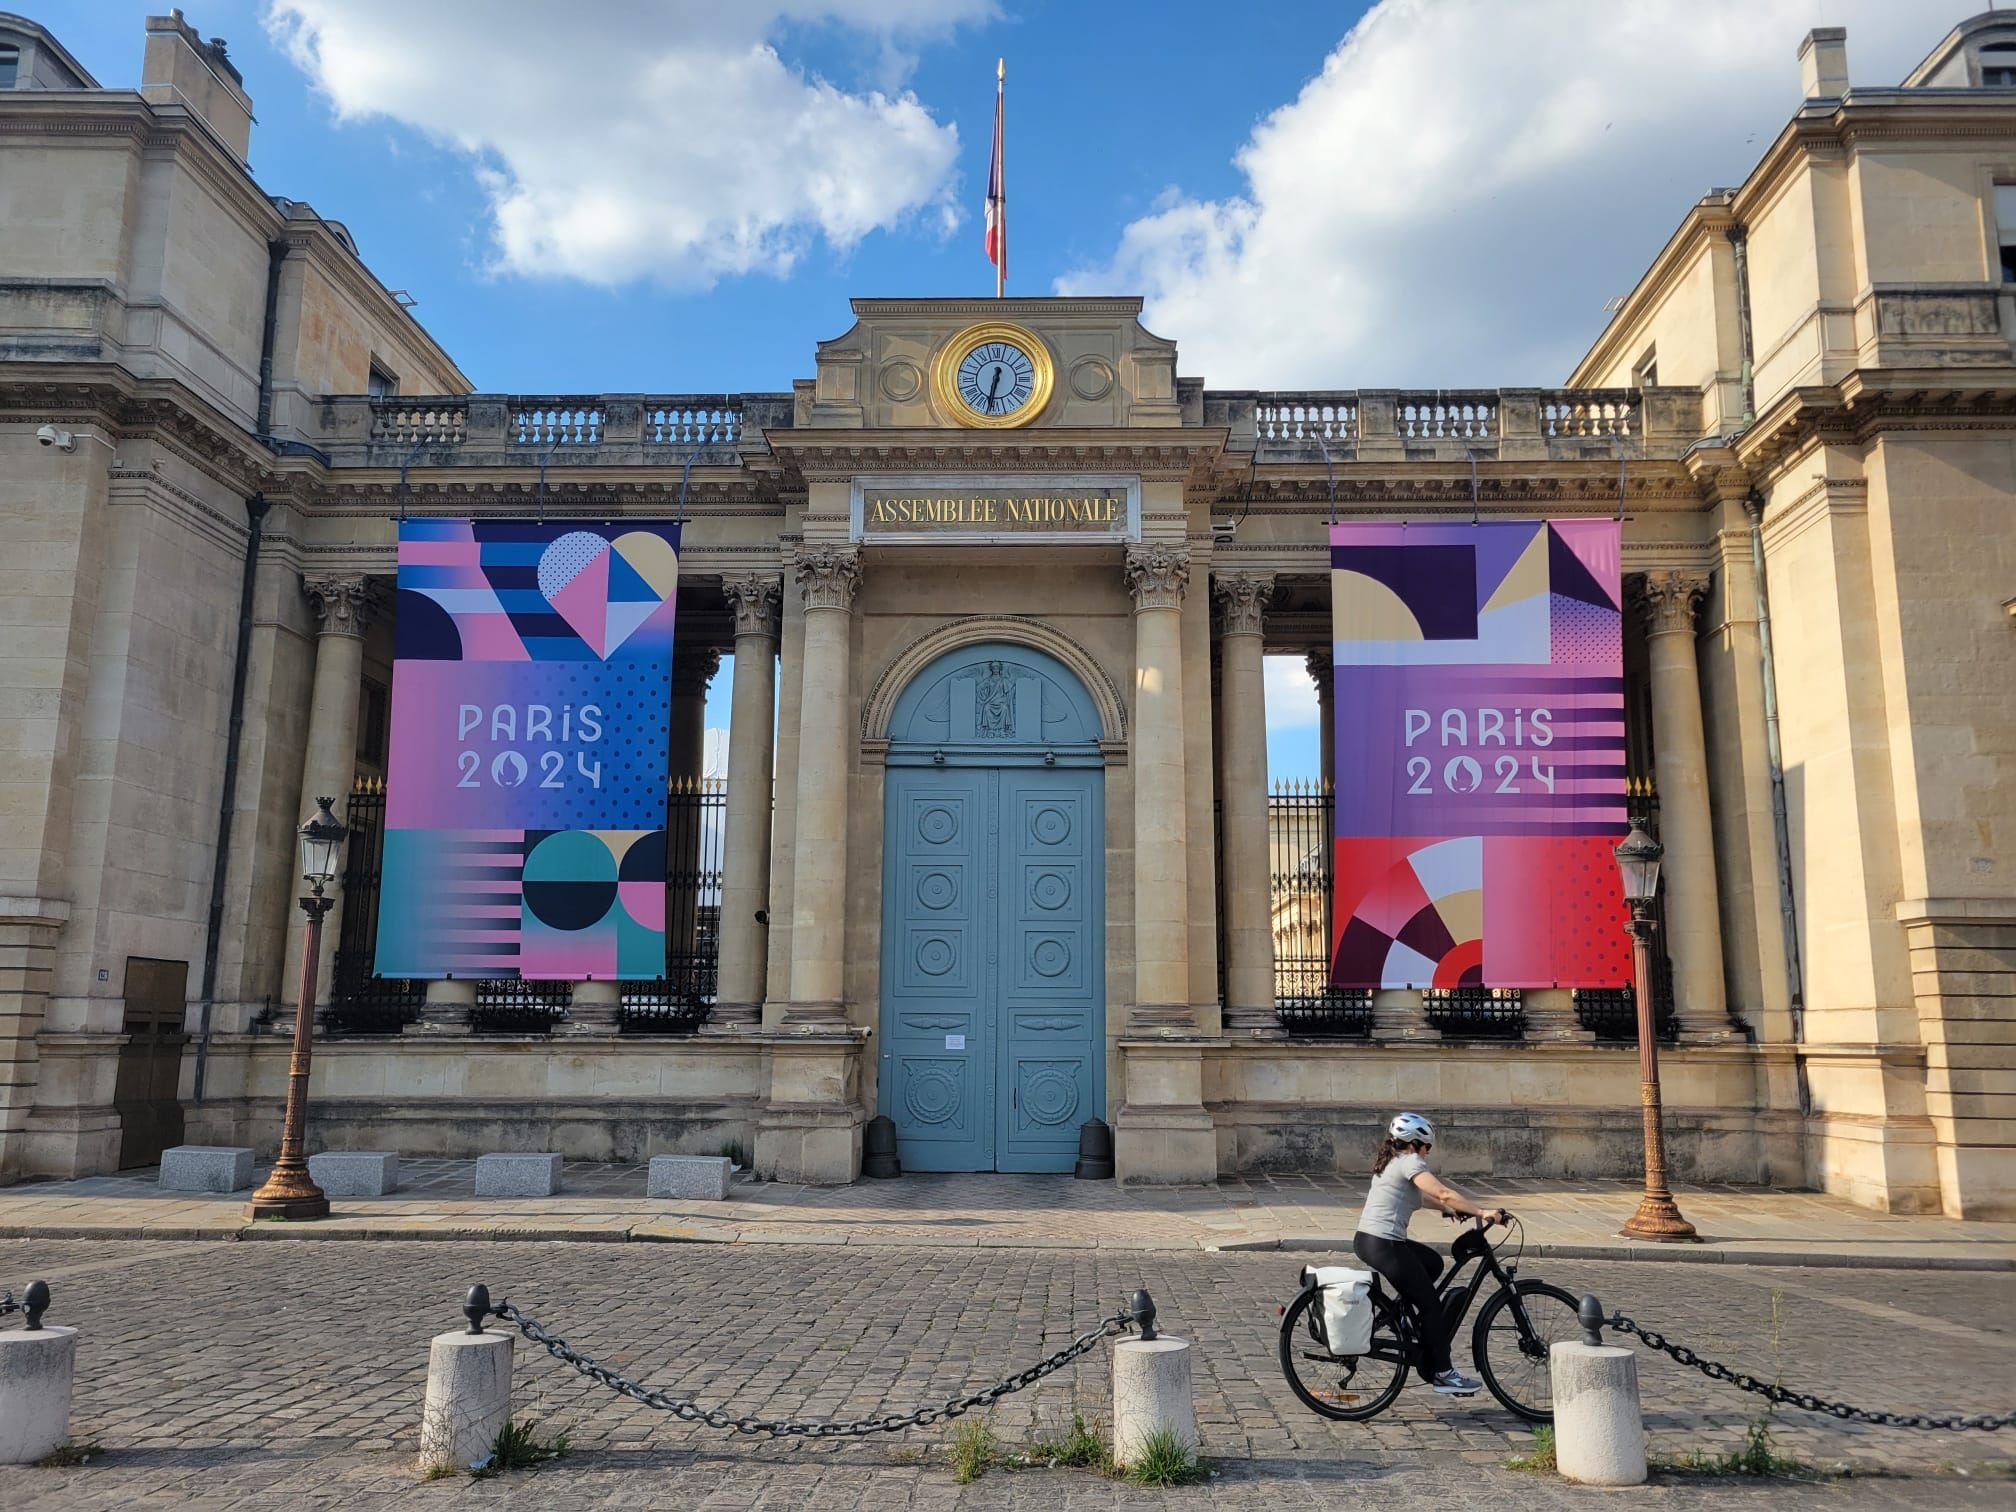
[955,1042]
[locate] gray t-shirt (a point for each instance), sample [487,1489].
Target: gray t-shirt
[1393,1197]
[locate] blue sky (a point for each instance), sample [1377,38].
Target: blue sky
[680,195]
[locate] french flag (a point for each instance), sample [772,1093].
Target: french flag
[997,192]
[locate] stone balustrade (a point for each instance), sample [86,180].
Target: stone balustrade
[610,429]
[1454,425]
[1366,425]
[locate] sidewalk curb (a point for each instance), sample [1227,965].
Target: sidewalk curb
[1681,1254]
[659,1232]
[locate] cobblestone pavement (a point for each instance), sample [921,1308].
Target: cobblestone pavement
[1577,1219]
[268,1375]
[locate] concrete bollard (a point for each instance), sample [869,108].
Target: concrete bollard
[1599,1430]
[1152,1388]
[37,1364]
[468,1392]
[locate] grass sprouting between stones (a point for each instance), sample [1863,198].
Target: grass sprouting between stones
[1082,1446]
[68,1457]
[518,1448]
[1165,1460]
[975,1451]
[1540,1458]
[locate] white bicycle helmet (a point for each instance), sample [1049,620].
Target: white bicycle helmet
[1410,1128]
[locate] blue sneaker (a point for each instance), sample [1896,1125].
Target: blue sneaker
[1455,1383]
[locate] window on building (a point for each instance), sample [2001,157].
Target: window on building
[373,722]
[2005,229]
[381,384]
[1998,67]
[10,65]
[1646,374]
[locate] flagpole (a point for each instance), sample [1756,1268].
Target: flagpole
[1001,154]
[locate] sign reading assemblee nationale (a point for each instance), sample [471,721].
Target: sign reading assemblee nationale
[531,721]
[1480,755]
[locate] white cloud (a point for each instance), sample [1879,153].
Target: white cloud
[618,141]
[714,753]
[1291,694]
[1451,200]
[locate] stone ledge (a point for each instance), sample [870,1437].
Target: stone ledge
[699,1176]
[517,1175]
[358,1173]
[206,1168]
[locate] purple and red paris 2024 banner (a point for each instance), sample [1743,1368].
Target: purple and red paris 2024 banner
[1479,704]
[531,720]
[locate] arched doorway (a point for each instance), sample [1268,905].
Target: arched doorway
[993,913]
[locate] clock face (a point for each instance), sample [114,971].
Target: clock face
[996,378]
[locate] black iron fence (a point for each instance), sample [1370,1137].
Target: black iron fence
[1301,855]
[1300,826]
[361,1001]
[679,1002]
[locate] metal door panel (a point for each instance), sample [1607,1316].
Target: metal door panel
[937,1032]
[1052,981]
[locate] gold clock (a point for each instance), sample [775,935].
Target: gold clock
[994,376]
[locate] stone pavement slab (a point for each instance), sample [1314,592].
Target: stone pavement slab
[242,1375]
[608,1204]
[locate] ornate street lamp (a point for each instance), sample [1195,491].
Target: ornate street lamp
[290,1192]
[1658,1216]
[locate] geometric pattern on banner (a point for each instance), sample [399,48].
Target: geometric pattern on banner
[526,783]
[1479,736]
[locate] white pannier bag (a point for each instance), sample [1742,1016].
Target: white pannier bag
[1347,1308]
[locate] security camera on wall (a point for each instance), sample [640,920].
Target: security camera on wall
[62,440]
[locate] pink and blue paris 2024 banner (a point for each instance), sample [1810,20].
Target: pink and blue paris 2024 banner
[531,718]
[1479,703]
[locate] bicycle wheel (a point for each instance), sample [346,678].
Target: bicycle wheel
[1349,1388]
[1513,1360]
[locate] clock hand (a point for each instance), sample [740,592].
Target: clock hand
[993,389]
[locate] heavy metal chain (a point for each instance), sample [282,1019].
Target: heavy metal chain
[1800,1399]
[717,1417]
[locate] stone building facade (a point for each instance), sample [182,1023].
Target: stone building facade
[212,417]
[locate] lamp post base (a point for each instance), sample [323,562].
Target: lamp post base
[1658,1219]
[290,1195]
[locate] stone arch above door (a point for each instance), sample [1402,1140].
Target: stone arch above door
[1100,712]
[994,700]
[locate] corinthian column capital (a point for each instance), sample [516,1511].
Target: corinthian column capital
[1157,575]
[828,578]
[1322,664]
[754,597]
[341,600]
[693,669]
[1242,600]
[1669,598]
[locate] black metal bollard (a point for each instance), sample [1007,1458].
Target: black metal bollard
[1590,1316]
[476,1307]
[1142,1306]
[34,1302]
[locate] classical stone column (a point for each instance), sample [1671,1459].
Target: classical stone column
[1669,600]
[447,1009]
[593,1009]
[692,669]
[342,604]
[1157,575]
[1322,666]
[745,884]
[1242,799]
[828,578]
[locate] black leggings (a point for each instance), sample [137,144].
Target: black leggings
[1411,1268]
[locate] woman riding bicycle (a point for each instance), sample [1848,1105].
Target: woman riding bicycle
[1401,1182]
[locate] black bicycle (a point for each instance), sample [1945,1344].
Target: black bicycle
[1517,1326]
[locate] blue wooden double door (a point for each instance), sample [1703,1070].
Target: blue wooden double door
[993,971]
